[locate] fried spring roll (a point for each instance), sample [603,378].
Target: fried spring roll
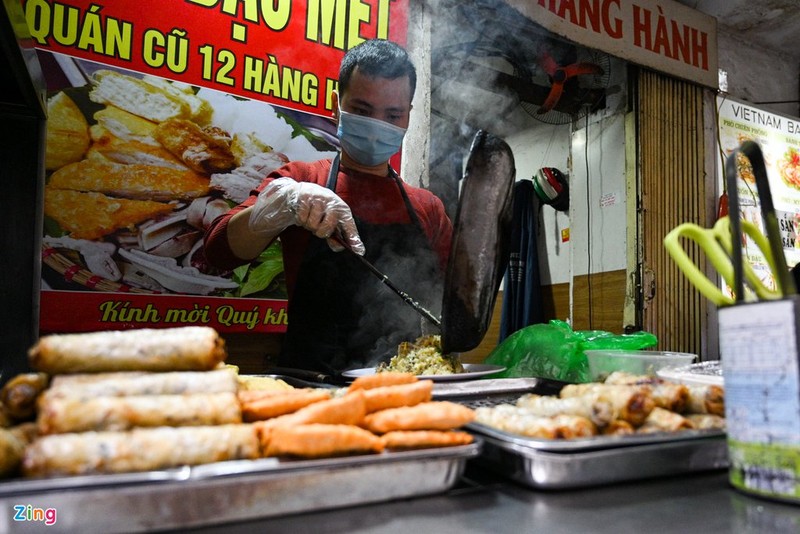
[420,439]
[516,420]
[597,409]
[631,403]
[285,402]
[74,414]
[347,410]
[661,420]
[19,395]
[382,398]
[141,449]
[435,415]
[706,399]
[133,383]
[667,395]
[26,432]
[191,348]
[706,421]
[618,427]
[381,379]
[10,453]
[320,440]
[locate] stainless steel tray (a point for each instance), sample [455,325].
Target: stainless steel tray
[561,464]
[229,491]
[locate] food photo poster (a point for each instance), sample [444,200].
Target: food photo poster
[778,137]
[162,115]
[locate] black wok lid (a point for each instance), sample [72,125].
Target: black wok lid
[479,251]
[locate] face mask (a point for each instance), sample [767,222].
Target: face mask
[368,141]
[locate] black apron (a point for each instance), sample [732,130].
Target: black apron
[343,317]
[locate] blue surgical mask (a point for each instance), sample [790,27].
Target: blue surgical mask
[368,141]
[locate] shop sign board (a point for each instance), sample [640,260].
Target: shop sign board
[660,34]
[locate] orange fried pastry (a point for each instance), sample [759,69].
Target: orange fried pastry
[420,439]
[436,415]
[321,440]
[381,379]
[260,407]
[347,410]
[384,397]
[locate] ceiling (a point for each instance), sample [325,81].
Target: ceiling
[771,24]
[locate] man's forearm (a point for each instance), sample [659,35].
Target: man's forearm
[243,242]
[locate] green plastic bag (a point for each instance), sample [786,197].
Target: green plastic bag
[555,351]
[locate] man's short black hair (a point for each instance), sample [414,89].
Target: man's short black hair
[378,58]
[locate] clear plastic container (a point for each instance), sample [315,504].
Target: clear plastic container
[639,362]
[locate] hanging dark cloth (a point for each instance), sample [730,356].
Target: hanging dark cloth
[522,294]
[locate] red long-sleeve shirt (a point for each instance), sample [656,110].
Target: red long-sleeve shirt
[373,199]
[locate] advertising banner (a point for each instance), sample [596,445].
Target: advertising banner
[779,139]
[162,115]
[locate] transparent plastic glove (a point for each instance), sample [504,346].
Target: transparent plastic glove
[319,210]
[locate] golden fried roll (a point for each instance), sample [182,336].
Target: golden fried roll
[667,395]
[346,410]
[141,449]
[190,348]
[597,409]
[125,384]
[385,397]
[420,439]
[574,426]
[631,403]
[706,399]
[435,415]
[706,421]
[25,432]
[75,414]
[321,440]
[381,379]
[617,427]
[268,406]
[515,420]
[19,395]
[10,453]
[5,419]
[661,420]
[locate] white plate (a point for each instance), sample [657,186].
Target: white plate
[697,374]
[471,370]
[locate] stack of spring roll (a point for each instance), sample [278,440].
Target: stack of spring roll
[622,404]
[138,400]
[135,400]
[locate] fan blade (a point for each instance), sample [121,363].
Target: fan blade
[548,64]
[552,99]
[578,69]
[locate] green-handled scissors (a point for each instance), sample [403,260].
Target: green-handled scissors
[716,244]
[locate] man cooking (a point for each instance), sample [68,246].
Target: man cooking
[340,315]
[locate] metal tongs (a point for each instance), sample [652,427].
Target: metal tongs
[722,244]
[424,313]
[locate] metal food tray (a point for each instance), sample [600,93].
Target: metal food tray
[230,491]
[586,462]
